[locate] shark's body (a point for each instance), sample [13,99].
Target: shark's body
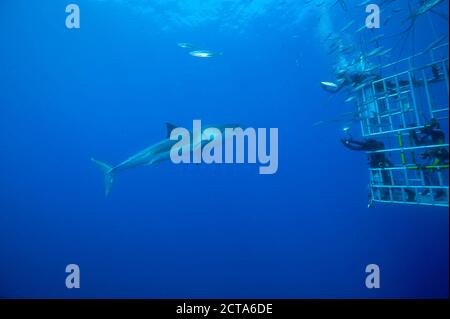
[156,153]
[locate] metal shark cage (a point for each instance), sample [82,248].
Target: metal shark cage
[410,94]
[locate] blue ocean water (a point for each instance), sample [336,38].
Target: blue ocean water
[198,231]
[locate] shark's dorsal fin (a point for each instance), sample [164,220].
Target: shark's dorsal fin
[170,127]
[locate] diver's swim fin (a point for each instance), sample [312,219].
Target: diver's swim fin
[108,171]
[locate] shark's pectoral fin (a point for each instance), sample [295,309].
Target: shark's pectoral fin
[159,158]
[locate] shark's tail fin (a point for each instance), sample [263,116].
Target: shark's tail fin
[108,172]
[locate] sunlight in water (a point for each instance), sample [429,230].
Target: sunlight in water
[228,14]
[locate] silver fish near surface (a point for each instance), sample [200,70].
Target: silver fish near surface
[204,54]
[185,45]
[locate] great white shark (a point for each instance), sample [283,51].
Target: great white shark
[153,154]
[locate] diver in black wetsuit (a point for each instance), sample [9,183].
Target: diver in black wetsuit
[376,160]
[431,134]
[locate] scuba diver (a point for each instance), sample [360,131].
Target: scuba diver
[360,72]
[431,134]
[350,74]
[377,160]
